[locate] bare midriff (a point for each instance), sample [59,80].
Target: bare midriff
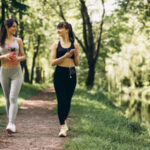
[68,62]
[9,64]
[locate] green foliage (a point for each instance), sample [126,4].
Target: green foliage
[2,103]
[125,51]
[140,8]
[2,123]
[19,5]
[28,90]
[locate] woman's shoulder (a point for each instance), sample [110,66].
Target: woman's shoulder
[55,44]
[19,40]
[1,47]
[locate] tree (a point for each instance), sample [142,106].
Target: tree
[23,63]
[3,3]
[34,57]
[91,48]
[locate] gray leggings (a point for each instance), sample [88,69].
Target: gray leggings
[11,81]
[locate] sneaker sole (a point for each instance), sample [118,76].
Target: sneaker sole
[62,135]
[9,131]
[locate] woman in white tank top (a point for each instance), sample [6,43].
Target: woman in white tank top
[11,53]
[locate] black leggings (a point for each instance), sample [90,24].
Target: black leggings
[64,83]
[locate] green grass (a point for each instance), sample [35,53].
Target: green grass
[2,105]
[99,125]
[27,91]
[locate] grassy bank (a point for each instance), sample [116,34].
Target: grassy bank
[27,91]
[99,125]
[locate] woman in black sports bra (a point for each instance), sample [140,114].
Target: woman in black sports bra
[65,55]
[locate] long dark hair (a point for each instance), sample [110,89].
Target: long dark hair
[3,31]
[67,25]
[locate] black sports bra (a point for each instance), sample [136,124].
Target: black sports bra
[62,51]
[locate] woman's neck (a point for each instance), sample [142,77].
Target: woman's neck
[65,39]
[9,36]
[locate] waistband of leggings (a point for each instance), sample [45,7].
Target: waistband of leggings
[64,68]
[13,68]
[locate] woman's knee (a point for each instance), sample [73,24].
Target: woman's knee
[13,99]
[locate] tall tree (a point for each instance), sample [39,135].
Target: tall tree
[23,63]
[34,57]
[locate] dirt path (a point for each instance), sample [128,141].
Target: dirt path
[37,126]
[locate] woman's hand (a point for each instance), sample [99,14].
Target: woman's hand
[14,57]
[69,54]
[76,53]
[7,56]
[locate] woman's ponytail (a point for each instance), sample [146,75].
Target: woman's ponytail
[71,35]
[3,34]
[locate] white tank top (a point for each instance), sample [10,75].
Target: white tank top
[7,48]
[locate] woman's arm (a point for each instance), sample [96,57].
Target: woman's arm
[5,56]
[55,61]
[21,50]
[76,54]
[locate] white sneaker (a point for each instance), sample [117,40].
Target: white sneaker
[63,132]
[66,126]
[11,128]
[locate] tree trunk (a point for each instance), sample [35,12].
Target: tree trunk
[26,72]
[89,43]
[23,63]
[38,78]
[91,73]
[34,59]
[3,10]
